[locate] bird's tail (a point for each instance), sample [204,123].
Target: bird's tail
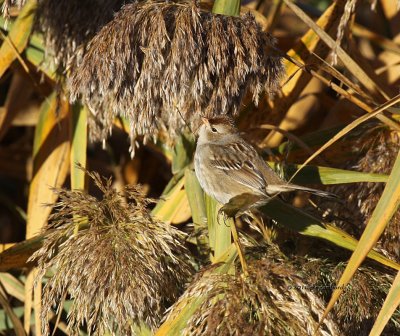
[273,189]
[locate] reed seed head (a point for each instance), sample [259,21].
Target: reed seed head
[375,151]
[164,64]
[358,306]
[7,4]
[274,300]
[68,25]
[121,268]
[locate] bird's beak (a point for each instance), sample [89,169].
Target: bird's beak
[205,121]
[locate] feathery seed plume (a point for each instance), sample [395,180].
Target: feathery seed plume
[7,4]
[375,151]
[123,268]
[68,26]
[274,300]
[359,305]
[157,62]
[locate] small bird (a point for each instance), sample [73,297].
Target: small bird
[227,166]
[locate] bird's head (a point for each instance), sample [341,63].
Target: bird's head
[216,129]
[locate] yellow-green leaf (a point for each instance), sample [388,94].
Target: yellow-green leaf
[350,127]
[219,228]
[227,7]
[12,286]
[78,137]
[327,175]
[18,37]
[392,301]
[173,207]
[195,197]
[305,224]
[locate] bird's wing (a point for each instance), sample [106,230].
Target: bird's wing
[239,161]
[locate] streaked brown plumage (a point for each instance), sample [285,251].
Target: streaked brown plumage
[227,166]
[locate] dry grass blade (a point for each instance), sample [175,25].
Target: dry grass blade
[51,161]
[28,300]
[347,94]
[37,305]
[18,38]
[18,327]
[387,205]
[17,255]
[302,51]
[389,306]
[348,128]
[378,39]
[352,66]
[51,165]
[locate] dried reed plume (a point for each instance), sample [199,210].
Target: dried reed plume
[7,4]
[359,305]
[68,25]
[349,9]
[121,268]
[157,62]
[375,151]
[274,300]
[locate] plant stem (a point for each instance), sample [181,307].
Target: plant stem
[227,7]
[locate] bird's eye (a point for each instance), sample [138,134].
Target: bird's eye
[214,129]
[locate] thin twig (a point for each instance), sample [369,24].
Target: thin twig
[239,248]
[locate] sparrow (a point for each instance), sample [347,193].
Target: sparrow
[227,166]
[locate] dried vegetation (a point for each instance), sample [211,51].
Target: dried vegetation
[122,261]
[121,268]
[163,65]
